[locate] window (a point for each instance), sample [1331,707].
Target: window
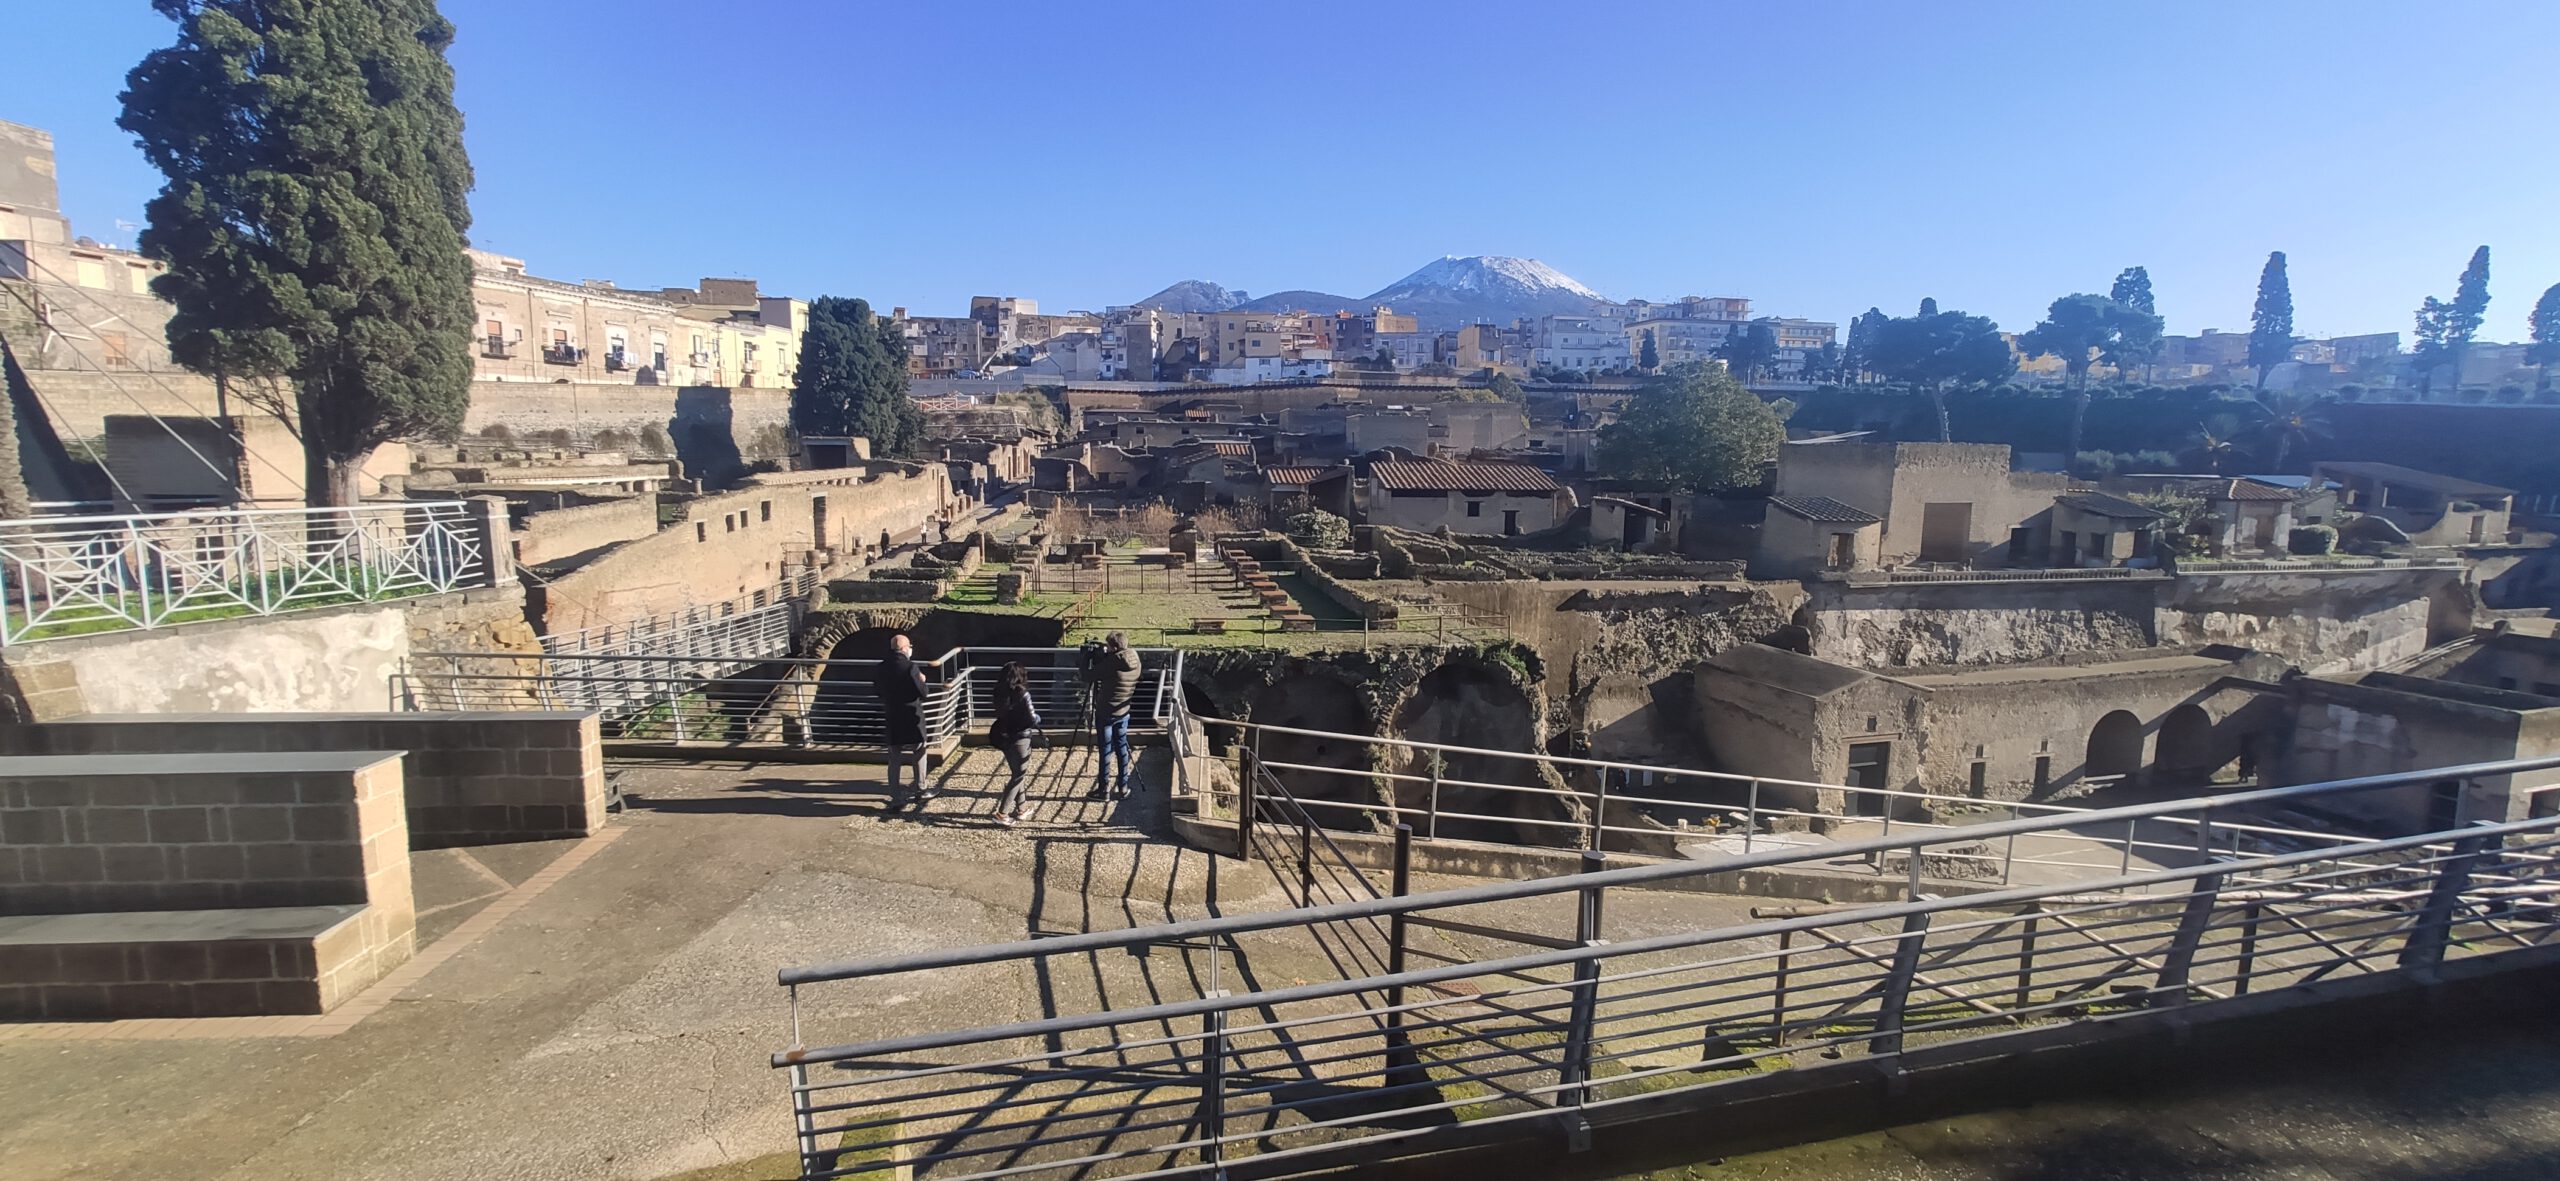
[702,530]
[729,522]
[764,509]
[112,344]
[2044,772]
[1475,508]
[1979,782]
[90,272]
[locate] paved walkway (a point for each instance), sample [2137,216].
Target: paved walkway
[610,1017]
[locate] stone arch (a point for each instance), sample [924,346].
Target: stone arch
[1317,701]
[2189,749]
[1464,704]
[2115,746]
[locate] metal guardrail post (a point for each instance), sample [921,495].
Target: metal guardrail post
[1574,1070]
[1600,811]
[2027,961]
[1213,1089]
[2424,951]
[1431,814]
[1750,816]
[1247,801]
[806,1123]
[1897,982]
[1402,1067]
[2171,987]
[1778,992]
[2248,966]
[1306,858]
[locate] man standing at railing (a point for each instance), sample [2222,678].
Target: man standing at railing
[1113,679]
[901,687]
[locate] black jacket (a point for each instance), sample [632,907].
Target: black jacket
[1115,683]
[1015,717]
[899,681]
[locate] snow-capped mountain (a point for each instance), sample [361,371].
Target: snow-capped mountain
[1194,295]
[1485,287]
[1447,293]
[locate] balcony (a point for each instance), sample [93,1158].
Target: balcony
[562,354]
[615,361]
[496,348]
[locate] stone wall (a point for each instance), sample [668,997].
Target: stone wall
[338,659]
[2343,730]
[2321,621]
[1901,625]
[731,545]
[716,430]
[467,778]
[555,534]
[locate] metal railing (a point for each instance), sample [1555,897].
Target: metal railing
[793,702]
[1544,1021]
[2020,574]
[758,626]
[1557,801]
[66,576]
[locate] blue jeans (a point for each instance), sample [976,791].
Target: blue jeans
[1111,740]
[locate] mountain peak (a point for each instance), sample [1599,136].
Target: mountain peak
[1194,295]
[1493,274]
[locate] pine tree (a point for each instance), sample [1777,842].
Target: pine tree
[1648,358]
[1694,428]
[852,379]
[1928,307]
[2271,324]
[2545,322]
[314,217]
[2133,289]
[1859,361]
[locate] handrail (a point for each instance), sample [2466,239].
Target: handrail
[1272,998]
[1194,929]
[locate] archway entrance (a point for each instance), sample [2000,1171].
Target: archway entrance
[2187,752]
[2115,746]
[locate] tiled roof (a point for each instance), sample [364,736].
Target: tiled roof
[1294,476]
[1823,508]
[1442,476]
[2100,504]
[1236,447]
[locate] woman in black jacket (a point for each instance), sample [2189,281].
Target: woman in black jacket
[1011,733]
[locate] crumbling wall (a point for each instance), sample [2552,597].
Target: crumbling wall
[2321,621]
[554,534]
[1902,625]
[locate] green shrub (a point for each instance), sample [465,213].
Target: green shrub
[1320,529]
[2312,541]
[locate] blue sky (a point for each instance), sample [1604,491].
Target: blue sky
[1819,158]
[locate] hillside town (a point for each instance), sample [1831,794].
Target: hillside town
[737,731]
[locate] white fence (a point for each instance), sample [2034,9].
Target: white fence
[68,576]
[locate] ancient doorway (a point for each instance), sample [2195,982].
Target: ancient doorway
[2115,746]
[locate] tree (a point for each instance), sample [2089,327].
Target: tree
[2293,419]
[2271,323]
[852,378]
[1935,348]
[2215,446]
[1694,428]
[314,215]
[1928,307]
[2139,342]
[1858,363]
[1749,351]
[2470,306]
[2133,289]
[2075,328]
[1823,364]
[2545,322]
[2428,347]
[1506,389]
[1648,358]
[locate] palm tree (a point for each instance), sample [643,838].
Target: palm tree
[2214,446]
[2294,418]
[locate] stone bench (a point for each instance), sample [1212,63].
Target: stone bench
[1209,627]
[1297,623]
[181,963]
[138,869]
[470,778]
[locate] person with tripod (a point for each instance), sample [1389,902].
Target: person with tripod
[1111,680]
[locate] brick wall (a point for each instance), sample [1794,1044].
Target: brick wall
[469,778]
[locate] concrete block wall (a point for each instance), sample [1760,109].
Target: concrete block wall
[100,967]
[470,778]
[201,831]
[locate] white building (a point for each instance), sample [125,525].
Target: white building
[1579,343]
[1680,341]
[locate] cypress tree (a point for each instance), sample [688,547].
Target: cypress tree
[2271,323]
[852,378]
[1648,358]
[314,216]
